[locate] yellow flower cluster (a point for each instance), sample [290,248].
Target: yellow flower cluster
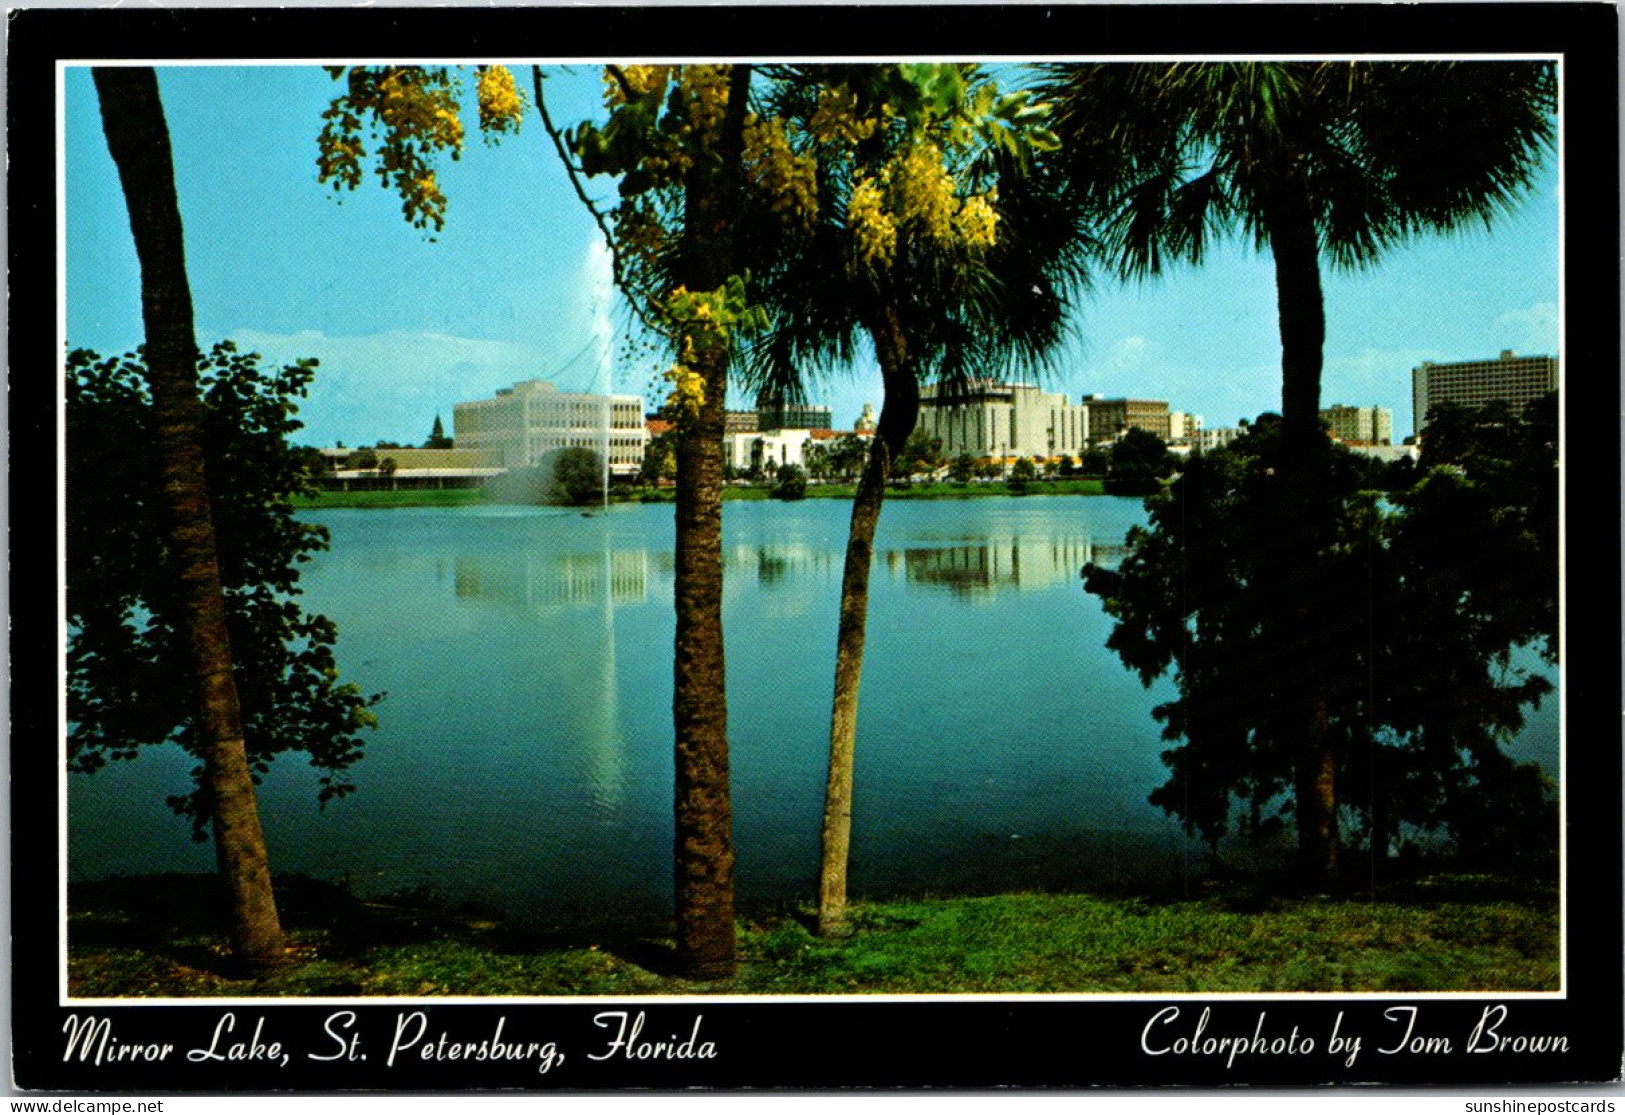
[977,221]
[914,196]
[415,108]
[687,393]
[501,106]
[872,226]
[705,322]
[789,181]
[705,93]
[924,191]
[836,118]
[640,80]
[702,334]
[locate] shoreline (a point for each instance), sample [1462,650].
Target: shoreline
[467,497]
[130,938]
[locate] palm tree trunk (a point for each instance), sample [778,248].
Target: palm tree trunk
[1301,306]
[704,859]
[899,411]
[138,138]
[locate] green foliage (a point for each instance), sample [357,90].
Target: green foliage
[1139,462]
[126,631]
[578,476]
[846,455]
[1172,156]
[921,454]
[1095,462]
[1036,943]
[792,482]
[962,469]
[659,459]
[1419,614]
[1500,483]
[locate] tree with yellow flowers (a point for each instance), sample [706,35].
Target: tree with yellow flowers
[911,208]
[674,137]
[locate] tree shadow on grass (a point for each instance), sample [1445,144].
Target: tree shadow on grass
[163,933]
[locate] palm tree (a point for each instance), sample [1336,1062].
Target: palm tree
[1309,159]
[937,240]
[138,138]
[673,233]
[707,257]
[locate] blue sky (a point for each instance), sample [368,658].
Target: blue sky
[516,286]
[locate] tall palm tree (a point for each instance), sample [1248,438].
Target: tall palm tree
[678,161]
[707,256]
[931,305]
[138,137]
[1311,160]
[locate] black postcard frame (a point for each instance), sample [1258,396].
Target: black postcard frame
[966,1043]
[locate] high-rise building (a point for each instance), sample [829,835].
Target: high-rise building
[1516,380]
[525,422]
[1359,425]
[988,419]
[1109,418]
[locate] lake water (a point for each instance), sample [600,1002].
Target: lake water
[524,757]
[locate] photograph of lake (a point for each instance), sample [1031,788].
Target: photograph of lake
[524,761]
[572,563]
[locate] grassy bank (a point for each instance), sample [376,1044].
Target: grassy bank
[463,497]
[132,938]
[414,497]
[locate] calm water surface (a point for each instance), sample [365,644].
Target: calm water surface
[524,758]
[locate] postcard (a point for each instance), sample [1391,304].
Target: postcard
[814,547]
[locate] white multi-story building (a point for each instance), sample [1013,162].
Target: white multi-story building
[766,448]
[1515,380]
[1183,427]
[1210,438]
[988,419]
[525,422]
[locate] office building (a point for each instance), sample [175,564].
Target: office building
[988,419]
[1515,380]
[1109,419]
[525,422]
[1359,425]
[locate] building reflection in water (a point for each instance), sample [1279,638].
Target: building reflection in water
[574,597]
[773,564]
[1010,563]
[543,581]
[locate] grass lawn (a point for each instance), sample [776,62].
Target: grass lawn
[135,938]
[405,497]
